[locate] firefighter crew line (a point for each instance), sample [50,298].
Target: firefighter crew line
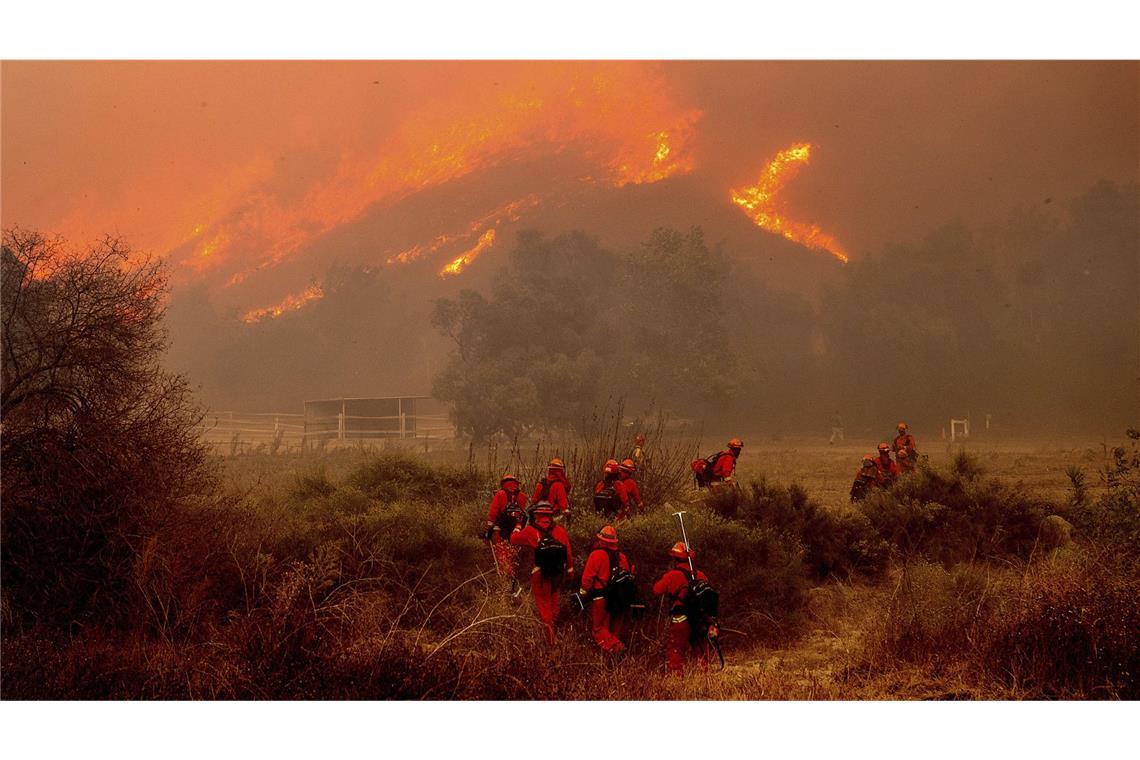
[607,589]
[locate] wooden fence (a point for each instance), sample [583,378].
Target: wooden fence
[233,433]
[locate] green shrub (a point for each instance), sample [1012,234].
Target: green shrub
[836,543]
[394,477]
[956,516]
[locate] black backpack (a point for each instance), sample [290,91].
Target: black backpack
[621,590]
[607,501]
[512,514]
[550,554]
[701,604]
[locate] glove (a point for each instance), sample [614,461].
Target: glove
[490,531]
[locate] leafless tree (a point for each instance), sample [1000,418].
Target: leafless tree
[98,448]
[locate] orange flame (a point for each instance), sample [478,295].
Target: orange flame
[291,302]
[758,201]
[511,212]
[619,117]
[468,256]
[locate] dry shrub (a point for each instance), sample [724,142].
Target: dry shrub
[1072,630]
[395,476]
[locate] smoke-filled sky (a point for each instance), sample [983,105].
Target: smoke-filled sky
[241,173]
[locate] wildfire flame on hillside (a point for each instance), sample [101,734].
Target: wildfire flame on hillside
[759,202]
[291,302]
[510,212]
[621,120]
[486,240]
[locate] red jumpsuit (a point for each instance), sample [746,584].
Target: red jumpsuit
[888,469]
[595,575]
[559,495]
[506,556]
[675,584]
[622,494]
[904,441]
[632,492]
[725,466]
[545,589]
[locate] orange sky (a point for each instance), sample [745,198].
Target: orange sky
[232,168]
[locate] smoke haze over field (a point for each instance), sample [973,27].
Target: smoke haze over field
[321,201]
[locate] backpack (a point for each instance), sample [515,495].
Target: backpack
[550,554]
[607,500]
[703,468]
[512,513]
[701,604]
[621,589]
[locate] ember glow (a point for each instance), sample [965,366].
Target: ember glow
[759,202]
[486,240]
[291,302]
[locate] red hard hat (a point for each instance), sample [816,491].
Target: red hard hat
[679,552]
[507,477]
[736,443]
[608,535]
[884,447]
[543,508]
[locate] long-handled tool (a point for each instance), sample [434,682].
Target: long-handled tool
[689,555]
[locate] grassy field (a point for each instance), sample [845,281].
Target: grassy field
[358,573]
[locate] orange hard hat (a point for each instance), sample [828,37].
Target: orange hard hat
[736,443]
[608,535]
[507,477]
[557,464]
[679,552]
[884,446]
[902,426]
[627,464]
[868,460]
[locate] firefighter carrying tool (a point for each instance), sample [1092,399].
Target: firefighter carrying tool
[608,588]
[695,606]
[506,512]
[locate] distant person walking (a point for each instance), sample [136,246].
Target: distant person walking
[836,429]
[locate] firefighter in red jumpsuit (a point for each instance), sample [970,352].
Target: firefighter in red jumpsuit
[626,470]
[725,467]
[507,510]
[904,440]
[888,469]
[680,641]
[606,628]
[611,478]
[554,488]
[545,585]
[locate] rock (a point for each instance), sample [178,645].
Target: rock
[1055,532]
